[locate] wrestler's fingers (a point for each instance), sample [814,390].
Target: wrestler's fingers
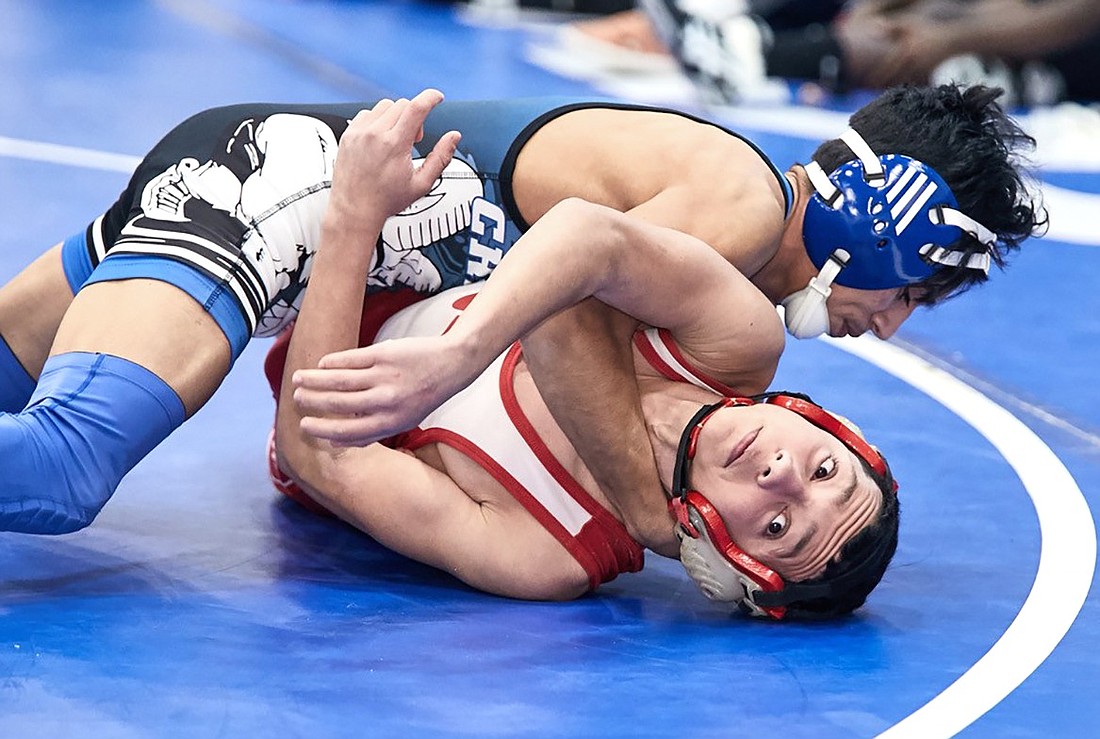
[416,111]
[356,378]
[345,431]
[437,160]
[344,402]
[379,108]
[393,115]
[359,358]
[368,115]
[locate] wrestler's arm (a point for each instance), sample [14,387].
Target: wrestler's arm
[577,250]
[402,502]
[583,365]
[605,402]
[373,178]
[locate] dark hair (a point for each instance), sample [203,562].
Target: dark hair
[965,135]
[862,563]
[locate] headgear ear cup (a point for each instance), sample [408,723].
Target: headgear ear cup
[714,576]
[805,312]
[719,568]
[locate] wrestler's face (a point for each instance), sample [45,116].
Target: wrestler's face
[854,312]
[791,495]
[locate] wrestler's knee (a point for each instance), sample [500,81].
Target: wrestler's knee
[91,418]
[44,493]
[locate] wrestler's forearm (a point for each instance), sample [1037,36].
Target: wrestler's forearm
[575,251]
[332,306]
[582,363]
[328,322]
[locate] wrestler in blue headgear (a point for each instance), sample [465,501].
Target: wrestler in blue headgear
[878,222]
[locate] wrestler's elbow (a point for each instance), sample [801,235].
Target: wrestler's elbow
[300,457]
[584,217]
[597,233]
[314,471]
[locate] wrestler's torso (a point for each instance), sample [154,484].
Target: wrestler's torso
[533,411]
[258,176]
[498,441]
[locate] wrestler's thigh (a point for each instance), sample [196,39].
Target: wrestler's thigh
[32,305]
[153,324]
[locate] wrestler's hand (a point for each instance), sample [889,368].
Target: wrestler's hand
[374,175]
[907,42]
[918,47]
[361,396]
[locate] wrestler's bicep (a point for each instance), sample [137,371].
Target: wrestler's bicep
[420,512]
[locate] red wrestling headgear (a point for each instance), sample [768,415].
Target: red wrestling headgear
[721,569]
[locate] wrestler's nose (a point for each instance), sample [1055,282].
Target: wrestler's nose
[885,323]
[779,474]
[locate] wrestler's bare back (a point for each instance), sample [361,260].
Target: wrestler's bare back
[663,167]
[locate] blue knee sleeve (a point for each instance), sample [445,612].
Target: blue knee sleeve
[16,385]
[90,420]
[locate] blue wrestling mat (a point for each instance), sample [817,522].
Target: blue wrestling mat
[200,604]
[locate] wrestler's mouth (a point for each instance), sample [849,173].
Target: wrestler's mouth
[846,329]
[742,446]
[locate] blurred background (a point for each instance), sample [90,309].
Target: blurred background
[201,604]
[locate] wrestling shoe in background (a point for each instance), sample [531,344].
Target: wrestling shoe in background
[720,47]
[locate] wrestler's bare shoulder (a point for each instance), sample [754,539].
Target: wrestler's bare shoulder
[632,143]
[689,174]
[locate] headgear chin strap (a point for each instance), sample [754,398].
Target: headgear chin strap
[805,312]
[721,569]
[886,221]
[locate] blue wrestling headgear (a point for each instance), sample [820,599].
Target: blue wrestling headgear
[875,223]
[721,569]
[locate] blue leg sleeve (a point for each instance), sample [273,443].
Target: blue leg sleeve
[16,385]
[90,420]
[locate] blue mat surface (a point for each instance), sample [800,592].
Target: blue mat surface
[201,604]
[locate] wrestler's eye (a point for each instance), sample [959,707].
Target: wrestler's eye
[825,470]
[778,525]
